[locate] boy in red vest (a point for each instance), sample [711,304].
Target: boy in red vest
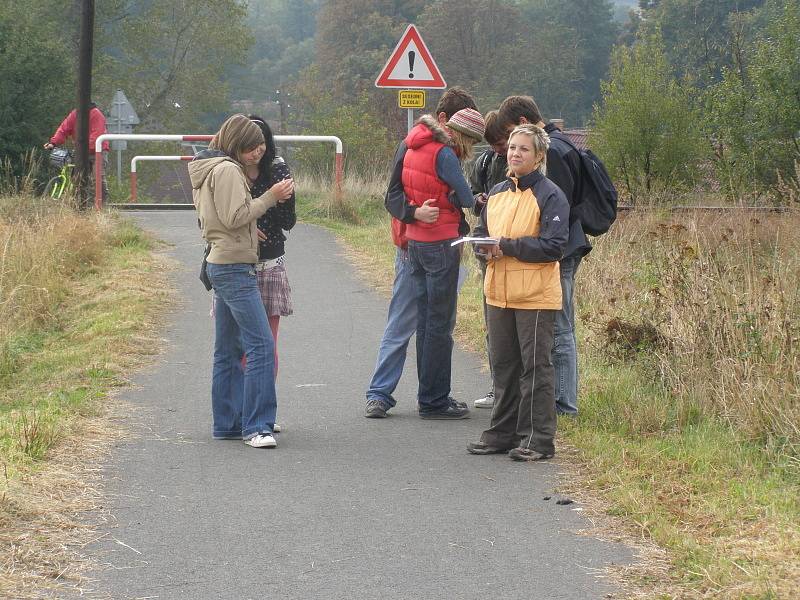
[432,171]
[402,318]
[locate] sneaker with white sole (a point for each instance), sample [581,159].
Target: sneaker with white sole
[276,428]
[486,402]
[261,440]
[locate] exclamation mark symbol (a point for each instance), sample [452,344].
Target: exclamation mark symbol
[411,56]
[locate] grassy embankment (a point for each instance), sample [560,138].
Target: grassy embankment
[80,295]
[689,433]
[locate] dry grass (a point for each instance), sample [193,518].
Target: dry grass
[80,302]
[47,516]
[347,206]
[689,395]
[40,250]
[712,305]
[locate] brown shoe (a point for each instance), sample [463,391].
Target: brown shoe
[483,448]
[525,454]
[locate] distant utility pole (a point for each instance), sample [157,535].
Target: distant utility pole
[85,50]
[282,106]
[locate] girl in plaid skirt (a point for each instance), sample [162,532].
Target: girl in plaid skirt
[271,268]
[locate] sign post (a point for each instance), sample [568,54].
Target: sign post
[123,118]
[411,99]
[411,66]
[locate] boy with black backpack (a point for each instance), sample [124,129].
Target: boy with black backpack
[592,200]
[488,170]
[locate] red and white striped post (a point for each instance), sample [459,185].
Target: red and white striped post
[147,137]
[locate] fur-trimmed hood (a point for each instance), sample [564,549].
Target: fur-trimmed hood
[427,129]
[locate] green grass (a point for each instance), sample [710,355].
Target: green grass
[726,509]
[55,373]
[81,295]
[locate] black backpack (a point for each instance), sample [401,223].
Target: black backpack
[595,201]
[482,167]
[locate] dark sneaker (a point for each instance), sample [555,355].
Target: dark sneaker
[454,410]
[483,448]
[376,410]
[525,454]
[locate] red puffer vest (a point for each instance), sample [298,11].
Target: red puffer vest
[420,182]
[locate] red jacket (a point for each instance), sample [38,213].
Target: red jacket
[421,182]
[97,127]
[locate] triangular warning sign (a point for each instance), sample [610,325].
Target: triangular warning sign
[411,65]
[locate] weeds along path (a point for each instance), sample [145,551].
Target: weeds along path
[80,297]
[345,507]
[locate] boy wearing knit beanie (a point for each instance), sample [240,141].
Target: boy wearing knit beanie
[432,173]
[402,318]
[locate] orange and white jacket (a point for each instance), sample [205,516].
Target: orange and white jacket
[530,217]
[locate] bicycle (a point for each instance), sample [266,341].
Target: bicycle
[60,186]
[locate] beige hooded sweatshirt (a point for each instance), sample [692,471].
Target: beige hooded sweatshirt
[226,210]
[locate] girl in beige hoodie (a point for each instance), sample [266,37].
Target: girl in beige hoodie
[243,400]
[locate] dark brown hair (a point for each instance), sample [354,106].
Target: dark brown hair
[265,164]
[494,133]
[515,107]
[453,100]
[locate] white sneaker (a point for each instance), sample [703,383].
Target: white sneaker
[485,402]
[261,440]
[276,428]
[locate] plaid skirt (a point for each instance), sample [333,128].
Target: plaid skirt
[273,284]
[274,287]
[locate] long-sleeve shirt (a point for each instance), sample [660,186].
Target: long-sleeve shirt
[97,127]
[281,217]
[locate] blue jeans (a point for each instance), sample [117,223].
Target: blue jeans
[400,326]
[565,346]
[243,401]
[435,273]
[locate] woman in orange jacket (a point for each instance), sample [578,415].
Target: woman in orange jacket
[529,216]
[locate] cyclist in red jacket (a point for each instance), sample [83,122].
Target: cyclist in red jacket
[97,127]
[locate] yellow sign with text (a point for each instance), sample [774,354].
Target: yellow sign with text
[411,98]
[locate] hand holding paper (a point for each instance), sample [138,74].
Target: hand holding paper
[478,241]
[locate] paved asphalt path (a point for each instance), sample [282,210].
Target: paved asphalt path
[345,507]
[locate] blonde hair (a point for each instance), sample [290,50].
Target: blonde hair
[539,140]
[462,144]
[237,135]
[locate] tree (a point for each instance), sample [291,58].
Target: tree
[585,29]
[354,39]
[645,129]
[171,57]
[283,32]
[756,108]
[368,144]
[701,37]
[493,51]
[37,88]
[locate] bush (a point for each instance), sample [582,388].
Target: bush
[645,129]
[756,112]
[368,148]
